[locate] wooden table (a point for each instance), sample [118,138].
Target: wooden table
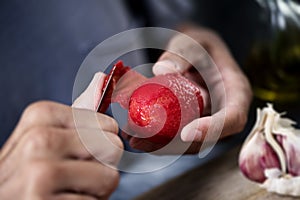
[219,179]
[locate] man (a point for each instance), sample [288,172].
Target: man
[44,157]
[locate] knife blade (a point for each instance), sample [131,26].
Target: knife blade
[109,85]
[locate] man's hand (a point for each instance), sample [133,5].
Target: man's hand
[229,89]
[45,158]
[233,103]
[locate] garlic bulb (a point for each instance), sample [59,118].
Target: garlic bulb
[271,153]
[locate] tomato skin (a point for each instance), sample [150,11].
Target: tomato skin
[162,106]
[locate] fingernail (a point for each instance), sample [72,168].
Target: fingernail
[189,135]
[164,67]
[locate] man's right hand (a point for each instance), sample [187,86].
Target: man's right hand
[45,159]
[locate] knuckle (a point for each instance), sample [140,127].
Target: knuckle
[113,150]
[115,178]
[33,195]
[118,142]
[107,123]
[114,125]
[196,32]
[208,32]
[109,186]
[39,171]
[38,138]
[35,109]
[116,152]
[242,120]
[213,33]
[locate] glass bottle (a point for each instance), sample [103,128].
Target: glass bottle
[273,63]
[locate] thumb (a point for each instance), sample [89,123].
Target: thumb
[196,130]
[90,97]
[170,63]
[225,122]
[210,128]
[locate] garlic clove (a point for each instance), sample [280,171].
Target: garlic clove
[255,156]
[291,145]
[289,139]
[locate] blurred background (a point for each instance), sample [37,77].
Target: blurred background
[43,43]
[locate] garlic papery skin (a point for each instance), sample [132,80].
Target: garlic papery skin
[281,184]
[271,120]
[282,150]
